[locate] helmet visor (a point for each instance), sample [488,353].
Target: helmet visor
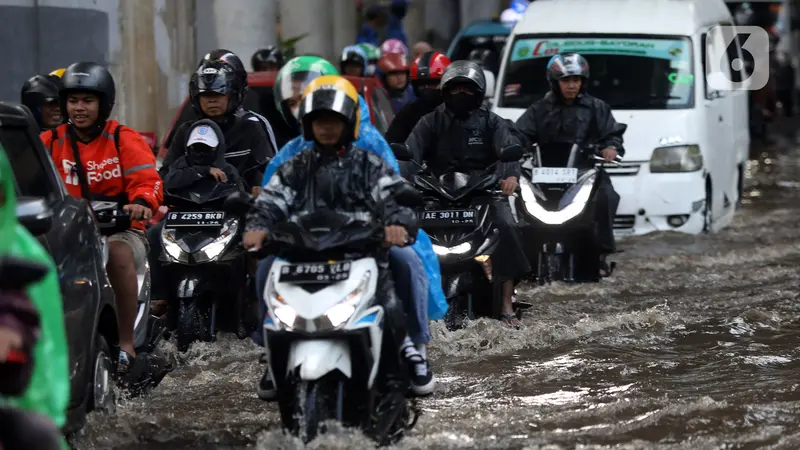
[289,90]
[214,80]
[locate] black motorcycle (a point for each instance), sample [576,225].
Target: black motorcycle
[457,215]
[209,286]
[558,202]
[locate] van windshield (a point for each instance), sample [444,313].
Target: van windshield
[626,72]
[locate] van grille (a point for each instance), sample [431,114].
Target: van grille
[624,222]
[624,169]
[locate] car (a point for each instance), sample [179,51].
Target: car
[89,308]
[488,34]
[260,100]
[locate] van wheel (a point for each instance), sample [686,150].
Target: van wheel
[708,211]
[103,392]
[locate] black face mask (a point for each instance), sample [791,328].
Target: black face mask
[201,158]
[461,104]
[430,95]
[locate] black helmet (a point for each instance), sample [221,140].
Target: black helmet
[216,76]
[234,61]
[567,65]
[265,57]
[38,91]
[89,77]
[464,73]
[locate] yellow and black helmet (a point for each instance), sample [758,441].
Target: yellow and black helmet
[335,94]
[58,72]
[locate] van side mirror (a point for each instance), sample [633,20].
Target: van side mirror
[490,83]
[35,215]
[401,152]
[512,153]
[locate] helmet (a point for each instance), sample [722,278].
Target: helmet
[292,81]
[428,69]
[373,53]
[270,56]
[464,73]
[38,91]
[567,65]
[331,93]
[89,77]
[393,62]
[234,61]
[216,76]
[353,54]
[58,72]
[394,46]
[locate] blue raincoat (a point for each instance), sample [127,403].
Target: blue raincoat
[370,138]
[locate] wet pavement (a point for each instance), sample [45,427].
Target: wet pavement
[692,344]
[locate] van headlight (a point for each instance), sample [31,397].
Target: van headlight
[678,158]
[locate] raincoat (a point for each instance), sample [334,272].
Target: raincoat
[370,138]
[49,388]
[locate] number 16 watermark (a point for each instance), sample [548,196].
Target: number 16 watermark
[726,68]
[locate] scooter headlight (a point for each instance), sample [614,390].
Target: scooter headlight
[344,310]
[459,249]
[171,246]
[277,305]
[215,248]
[570,211]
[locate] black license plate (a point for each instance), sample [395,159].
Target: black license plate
[449,218]
[330,272]
[180,219]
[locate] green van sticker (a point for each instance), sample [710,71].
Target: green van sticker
[671,49]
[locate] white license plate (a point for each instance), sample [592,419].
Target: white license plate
[550,175]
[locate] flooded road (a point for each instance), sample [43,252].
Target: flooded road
[692,344]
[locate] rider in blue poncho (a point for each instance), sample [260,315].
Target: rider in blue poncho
[423,296]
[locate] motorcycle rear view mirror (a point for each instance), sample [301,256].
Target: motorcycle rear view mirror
[512,153]
[408,196]
[401,152]
[238,203]
[35,215]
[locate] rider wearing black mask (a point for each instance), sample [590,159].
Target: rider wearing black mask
[463,136]
[568,115]
[426,75]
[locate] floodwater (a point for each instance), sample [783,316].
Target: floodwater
[692,344]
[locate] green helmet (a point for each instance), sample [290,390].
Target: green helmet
[373,53]
[293,79]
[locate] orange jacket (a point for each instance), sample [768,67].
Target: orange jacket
[128,175]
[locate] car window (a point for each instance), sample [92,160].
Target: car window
[30,170]
[382,109]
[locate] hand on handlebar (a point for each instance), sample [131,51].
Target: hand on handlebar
[509,185]
[253,240]
[218,175]
[138,212]
[395,235]
[609,154]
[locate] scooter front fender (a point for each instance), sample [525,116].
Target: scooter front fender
[316,358]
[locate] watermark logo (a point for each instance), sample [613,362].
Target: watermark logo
[726,69]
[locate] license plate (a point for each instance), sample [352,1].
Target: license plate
[180,219]
[330,272]
[449,218]
[550,175]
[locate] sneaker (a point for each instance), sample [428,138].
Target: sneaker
[266,387]
[421,377]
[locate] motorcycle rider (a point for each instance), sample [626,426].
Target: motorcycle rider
[204,159]
[420,288]
[216,93]
[463,136]
[568,115]
[373,55]
[426,75]
[99,159]
[394,73]
[334,173]
[353,61]
[268,59]
[40,95]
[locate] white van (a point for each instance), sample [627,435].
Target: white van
[686,144]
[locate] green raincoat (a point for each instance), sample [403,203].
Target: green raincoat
[49,388]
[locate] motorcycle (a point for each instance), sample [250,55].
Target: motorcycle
[202,255]
[457,215]
[324,328]
[148,329]
[559,201]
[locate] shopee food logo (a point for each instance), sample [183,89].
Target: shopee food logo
[96,172]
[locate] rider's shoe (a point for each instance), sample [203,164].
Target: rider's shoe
[420,375]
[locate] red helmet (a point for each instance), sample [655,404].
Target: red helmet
[429,67]
[393,62]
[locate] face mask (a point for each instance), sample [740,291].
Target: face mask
[430,95]
[460,104]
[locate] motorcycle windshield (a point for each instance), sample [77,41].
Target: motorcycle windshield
[457,185]
[326,229]
[555,154]
[202,193]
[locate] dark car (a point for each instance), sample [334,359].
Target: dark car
[72,240]
[260,99]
